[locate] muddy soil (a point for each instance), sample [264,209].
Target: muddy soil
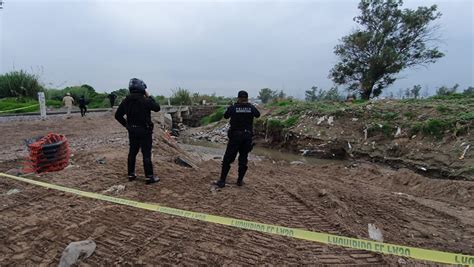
[36,224]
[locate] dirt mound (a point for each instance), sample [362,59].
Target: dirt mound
[415,135]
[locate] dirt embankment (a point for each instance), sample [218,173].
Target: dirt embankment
[37,224]
[417,135]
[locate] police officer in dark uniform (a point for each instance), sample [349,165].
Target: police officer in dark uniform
[240,135]
[82,105]
[137,106]
[112,98]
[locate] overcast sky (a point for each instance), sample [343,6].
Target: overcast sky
[207,46]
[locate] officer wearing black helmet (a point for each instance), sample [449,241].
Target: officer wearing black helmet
[137,106]
[240,135]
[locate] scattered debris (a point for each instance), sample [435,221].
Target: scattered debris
[399,132]
[296,162]
[401,194]
[365,134]
[320,120]
[375,233]
[183,162]
[331,120]
[465,151]
[116,189]
[77,251]
[349,145]
[322,193]
[304,152]
[402,261]
[100,160]
[422,168]
[355,119]
[217,135]
[12,192]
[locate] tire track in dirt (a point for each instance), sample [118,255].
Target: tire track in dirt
[153,238]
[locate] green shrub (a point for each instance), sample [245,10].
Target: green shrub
[443,109]
[452,96]
[216,116]
[290,121]
[19,84]
[360,101]
[181,96]
[275,124]
[409,115]
[436,127]
[54,103]
[7,104]
[98,101]
[466,116]
[385,129]
[416,128]
[389,116]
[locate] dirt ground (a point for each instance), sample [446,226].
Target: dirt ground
[341,197]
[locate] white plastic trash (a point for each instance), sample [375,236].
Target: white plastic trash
[375,233]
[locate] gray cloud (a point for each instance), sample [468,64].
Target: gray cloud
[206,46]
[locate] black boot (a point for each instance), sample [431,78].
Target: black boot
[132,177]
[152,179]
[242,171]
[219,183]
[224,172]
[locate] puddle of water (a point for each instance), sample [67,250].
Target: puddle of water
[217,150]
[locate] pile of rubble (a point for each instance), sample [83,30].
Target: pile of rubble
[215,135]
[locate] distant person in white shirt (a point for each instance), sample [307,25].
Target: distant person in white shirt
[68,101]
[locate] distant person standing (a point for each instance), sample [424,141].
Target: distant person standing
[82,106]
[137,106]
[240,134]
[112,97]
[68,101]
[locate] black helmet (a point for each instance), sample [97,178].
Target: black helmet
[136,86]
[242,94]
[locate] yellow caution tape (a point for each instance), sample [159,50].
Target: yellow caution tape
[15,109]
[379,247]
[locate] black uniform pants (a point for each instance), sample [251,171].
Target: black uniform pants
[83,110]
[140,138]
[241,143]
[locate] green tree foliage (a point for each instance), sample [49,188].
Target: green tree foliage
[94,99]
[415,91]
[121,93]
[389,40]
[316,94]
[266,94]
[19,84]
[181,97]
[445,91]
[311,94]
[333,94]
[281,94]
[469,91]
[199,99]
[407,93]
[161,99]
[215,116]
